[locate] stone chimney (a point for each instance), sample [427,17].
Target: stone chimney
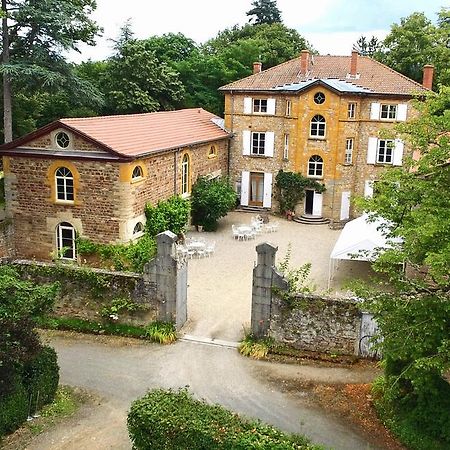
[428,72]
[304,62]
[257,66]
[354,63]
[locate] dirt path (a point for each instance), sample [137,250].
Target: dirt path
[121,370]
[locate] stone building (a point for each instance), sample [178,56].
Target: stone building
[93,176]
[321,116]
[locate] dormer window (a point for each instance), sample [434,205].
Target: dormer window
[259,105]
[62,139]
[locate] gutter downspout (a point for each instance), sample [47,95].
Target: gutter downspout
[175,170]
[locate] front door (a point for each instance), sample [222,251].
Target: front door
[313,203]
[256,189]
[309,202]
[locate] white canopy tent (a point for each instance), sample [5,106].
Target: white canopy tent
[359,240]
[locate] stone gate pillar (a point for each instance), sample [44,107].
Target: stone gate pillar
[167,278]
[265,277]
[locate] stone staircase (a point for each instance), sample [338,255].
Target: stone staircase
[311,220]
[252,209]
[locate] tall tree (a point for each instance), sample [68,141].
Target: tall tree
[368,47]
[264,11]
[34,33]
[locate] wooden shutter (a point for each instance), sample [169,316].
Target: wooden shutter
[248,105]
[267,198]
[345,205]
[402,109]
[368,188]
[271,106]
[246,137]
[372,150]
[375,111]
[269,144]
[398,152]
[245,184]
[317,204]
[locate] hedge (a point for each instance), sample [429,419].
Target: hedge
[33,386]
[174,420]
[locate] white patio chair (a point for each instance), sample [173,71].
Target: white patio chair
[210,248]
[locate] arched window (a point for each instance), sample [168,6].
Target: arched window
[138,228]
[64,184]
[317,128]
[315,166]
[185,174]
[65,241]
[212,151]
[137,173]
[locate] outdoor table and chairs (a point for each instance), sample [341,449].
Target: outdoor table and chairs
[196,248]
[245,232]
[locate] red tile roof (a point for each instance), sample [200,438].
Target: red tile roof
[139,134]
[377,77]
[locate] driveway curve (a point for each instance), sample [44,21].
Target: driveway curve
[119,371]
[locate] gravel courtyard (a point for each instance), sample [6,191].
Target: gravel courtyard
[219,288]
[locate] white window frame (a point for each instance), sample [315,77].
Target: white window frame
[351,110]
[62,139]
[318,127]
[63,226]
[349,145]
[260,105]
[316,165]
[185,175]
[260,148]
[64,180]
[286,147]
[388,111]
[288,108]
[385,145]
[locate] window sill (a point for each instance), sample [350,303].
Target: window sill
[315,177]
[212,156]
[65,202]
[317,138]
[347,164]
[185,195]
[260,156]
[137,180]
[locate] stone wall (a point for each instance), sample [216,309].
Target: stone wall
[6,235]
[318,324]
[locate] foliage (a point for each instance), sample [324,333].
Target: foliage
[162,332]
[413,312]
[368,47]
[117,307]
[14,406]
[171,214]
[211,199]
[416,41]
[167,419]
[255,348]
[264,11]
[291,187]
[64,404]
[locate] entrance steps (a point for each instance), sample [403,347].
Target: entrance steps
[311,220]
[209,341]
[252,209]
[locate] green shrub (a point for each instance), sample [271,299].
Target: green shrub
[255,348]
[174,420]
[171,214]
[162,332]
[211,200]
[41,376]
[13,407]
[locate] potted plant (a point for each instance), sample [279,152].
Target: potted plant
[289,214]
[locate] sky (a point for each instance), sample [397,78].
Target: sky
[331,26]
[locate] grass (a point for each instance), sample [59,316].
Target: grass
[255,348]
[161,332]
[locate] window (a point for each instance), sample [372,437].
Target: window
[65,241]
[137,173]
[62,139]
[315,166]
[64,184]
[388,112]
[351,110]
[212,153]
[288,107]
[348,151]
[185,174]
[385,151]
[138,228]
[259,105]
[317,128]
[286,147]
[319,98]
[258,143]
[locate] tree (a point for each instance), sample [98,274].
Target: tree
[416,41]
[413,310]
[368,48]
[264,11]
[32,42]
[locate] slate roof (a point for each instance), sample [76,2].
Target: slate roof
[135,135]
[374,77]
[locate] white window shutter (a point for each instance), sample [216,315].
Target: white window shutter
[317,204]
[398,153]
[246,136]
[245,184]
[402,109]
[372,150]
[248,103]
[271,106]
[375,111]
[269,144]
[267,198]
[345,205]
[368,188]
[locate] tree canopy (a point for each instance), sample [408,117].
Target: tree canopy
[264,11]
